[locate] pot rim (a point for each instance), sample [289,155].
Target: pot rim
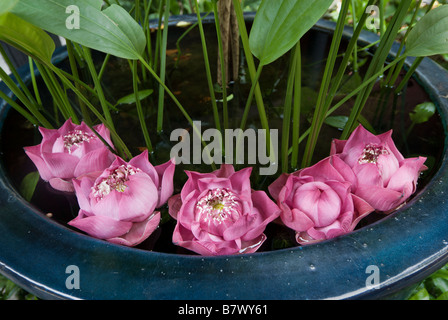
[406,246]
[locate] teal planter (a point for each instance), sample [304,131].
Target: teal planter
[403,248]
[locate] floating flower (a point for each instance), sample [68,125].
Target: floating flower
[317,202]
[69,152]
[385,178]
[218,213]
[119,205]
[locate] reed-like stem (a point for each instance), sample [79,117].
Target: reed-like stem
[15,73]
[119,144]
[161,101]
[32,108]
[98,86]
[138,104]
[287,107]
[207,70]
[296,107]
[253,75]
[376,64]
[364,84]
[74,69]
[322,106]
[34,82]
[19,109]
[179,105]
[223,67]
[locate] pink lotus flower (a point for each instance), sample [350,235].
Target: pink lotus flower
[385,178]
[317,202]
[218,214]
[119,205]
[69,152]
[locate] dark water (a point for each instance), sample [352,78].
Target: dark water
[187,80]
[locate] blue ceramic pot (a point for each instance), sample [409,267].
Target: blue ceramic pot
[397,251]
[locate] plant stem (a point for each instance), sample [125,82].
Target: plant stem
[253,74]
[382,8]
[103,66]
[250,98]
[287,110]
[159,28]
[75,74]
[416,62]
[178,104]
[51,85]
[355,24]
[207,70]
[163,67]
[376,64]
[84,86]
[147,30]
[364,84]
[296,107]
[62,95]
[395,72]
[321,106]
[223,67]
[98,87]
[22,97]
[18,108]
[123,150]
[138,104]
[179,49]
[17,76]
[409,74]
[126,154]
[59,95]
[34,82]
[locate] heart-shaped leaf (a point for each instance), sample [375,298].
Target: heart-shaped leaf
[111,31]
[430,35]
[280,24]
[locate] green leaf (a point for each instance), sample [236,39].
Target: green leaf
[430,35]
[337,122]
[280,24]
[7,5]
[28,185]
[422,294]
[29,39]
[111,31]
[129,99]
[422,112]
